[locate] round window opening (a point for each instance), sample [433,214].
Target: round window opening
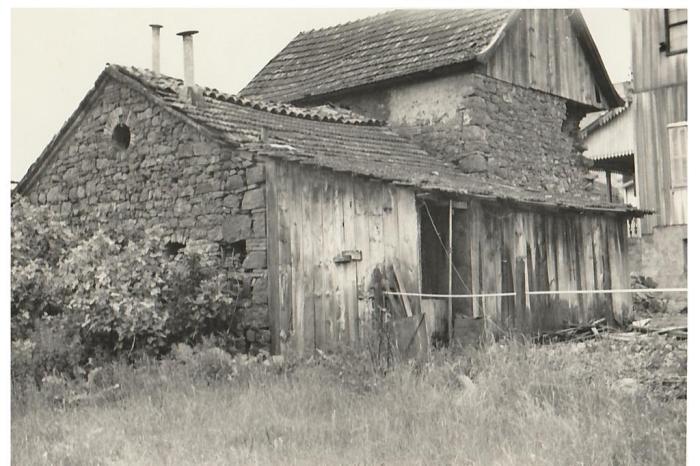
[121,136]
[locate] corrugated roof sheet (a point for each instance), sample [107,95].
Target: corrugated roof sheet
[374,49]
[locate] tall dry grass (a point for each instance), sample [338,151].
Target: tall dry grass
[527,406]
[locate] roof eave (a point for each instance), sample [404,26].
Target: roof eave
[591,50]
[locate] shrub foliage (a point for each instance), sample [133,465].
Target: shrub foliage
[80,297]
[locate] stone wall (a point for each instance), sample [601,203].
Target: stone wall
[509,133]
[203,194]
[663,257]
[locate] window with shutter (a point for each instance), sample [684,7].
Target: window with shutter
[678,149]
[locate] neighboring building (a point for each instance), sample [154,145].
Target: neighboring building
[610,146]
[660,109]
[316,198]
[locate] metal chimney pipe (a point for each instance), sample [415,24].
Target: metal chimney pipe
[188,52]
[155,47]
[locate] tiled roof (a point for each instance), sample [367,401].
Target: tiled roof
[326,112]
[374,49]
[340,141]
[364,149]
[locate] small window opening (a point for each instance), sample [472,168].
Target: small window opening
[121,136]
[234,253]
[676,26]
[173,248]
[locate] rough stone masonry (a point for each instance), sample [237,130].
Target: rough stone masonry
[508,133]
[203,194]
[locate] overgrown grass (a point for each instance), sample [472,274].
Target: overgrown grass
[527,406]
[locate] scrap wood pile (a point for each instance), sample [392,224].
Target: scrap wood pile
[397,306]
[599,327]
[579,332]
[676,331]
[407,327]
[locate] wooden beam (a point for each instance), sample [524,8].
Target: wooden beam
[608,181]
[449,277]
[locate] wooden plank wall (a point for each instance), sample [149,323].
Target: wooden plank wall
[314,215]
[651,67]
[653,111]
[522,250]
[541,51]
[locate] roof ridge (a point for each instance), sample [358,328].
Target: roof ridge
[322,113]
[347,23]
[397,12]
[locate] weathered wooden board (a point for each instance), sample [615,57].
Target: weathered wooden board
[653,111]
[407,262]
[318,298]
[273,263]
[541,51]
[313,217]
[652,68]
[350,270]
[285,296]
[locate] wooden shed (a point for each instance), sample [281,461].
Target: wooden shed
[328,231]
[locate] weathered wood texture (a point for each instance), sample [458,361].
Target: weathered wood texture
[651,67]
[654,110]
[316,215]
[521,250]
[540,50]
[661,98]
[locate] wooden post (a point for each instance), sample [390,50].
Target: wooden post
[608,181]
[449,278]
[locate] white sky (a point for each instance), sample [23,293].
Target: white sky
[57,54]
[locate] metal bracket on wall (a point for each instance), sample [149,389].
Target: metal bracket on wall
[348,256]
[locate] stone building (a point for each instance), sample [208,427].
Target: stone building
[441,143]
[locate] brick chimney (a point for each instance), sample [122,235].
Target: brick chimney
[155,47]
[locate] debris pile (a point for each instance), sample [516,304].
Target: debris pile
[676,331]
[580,332]
[646,303]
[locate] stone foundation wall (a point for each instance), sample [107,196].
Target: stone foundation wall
[509,133]
[203,194]
[663,257]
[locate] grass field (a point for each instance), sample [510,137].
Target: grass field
[597,403]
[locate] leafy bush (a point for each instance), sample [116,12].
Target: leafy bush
[80,296]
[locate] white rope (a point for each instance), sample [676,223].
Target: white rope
[631,290]
[430,295]
[488,295]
